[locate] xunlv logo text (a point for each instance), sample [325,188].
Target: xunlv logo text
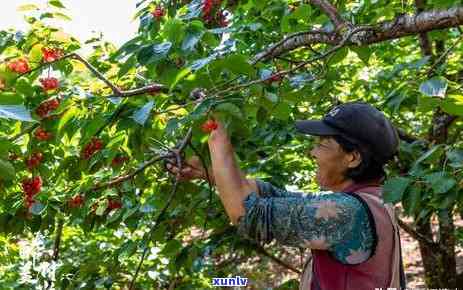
[226,282]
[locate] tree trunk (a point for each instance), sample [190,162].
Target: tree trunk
[428,256]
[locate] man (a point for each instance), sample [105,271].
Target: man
[353,235]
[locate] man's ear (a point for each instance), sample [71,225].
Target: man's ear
[355,158]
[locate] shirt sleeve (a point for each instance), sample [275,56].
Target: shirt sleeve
[266,189]
[336,222]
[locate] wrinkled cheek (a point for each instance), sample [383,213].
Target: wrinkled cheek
[321,179]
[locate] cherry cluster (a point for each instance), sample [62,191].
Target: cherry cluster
[46,107]
[51,54]
[42,135]
[34,160]
[49,83]
[209,126]
[19,66]
[158,13]
[208,13]
[31,186]
[91,148]
[76,201]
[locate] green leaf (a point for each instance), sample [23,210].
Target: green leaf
[28,7]
[141,115]
[37,208]
[429,156]
[363,52]
[440,182]
[35,54]
[338,56]
[455,157]
[5,146]
[127,250]
[7,171]
[68,115]
[200,63]
[231,109]
[24,86]
[102,206]
[394,189]
[282,111]
[180,75]
[414,199]
[453,106]
[153,53]
[174,30]
[236,63]
[92,127]
[191,40]
[10,98]
[61,16]
[15,112]
[56,3]
[435,87]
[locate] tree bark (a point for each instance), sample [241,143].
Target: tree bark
[401,26]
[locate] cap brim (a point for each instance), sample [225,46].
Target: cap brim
[316,128]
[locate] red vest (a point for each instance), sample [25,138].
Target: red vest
[382,269]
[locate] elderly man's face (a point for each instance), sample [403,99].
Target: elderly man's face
[332,163]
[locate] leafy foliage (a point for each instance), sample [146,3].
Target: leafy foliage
[105,230]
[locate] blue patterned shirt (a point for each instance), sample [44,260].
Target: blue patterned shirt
[336,222]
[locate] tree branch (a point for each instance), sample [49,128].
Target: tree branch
[179,164]
[425,44]
[58,235]
[280,262]
[341,44]
[116,91]
[401,26]
[419,237]
[331,12]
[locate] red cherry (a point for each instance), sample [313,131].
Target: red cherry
[49,84]
[118,160]
[19,66]
[46,107]
[207,6]
[158,13]
[209,126]
[114,204]
[32,186]
[76,201]
[274,78]
[51,54]
[42,135]
[34,160]
[92,147]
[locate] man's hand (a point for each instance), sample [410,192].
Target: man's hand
[192,169]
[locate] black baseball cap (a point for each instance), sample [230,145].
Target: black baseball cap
[359,123]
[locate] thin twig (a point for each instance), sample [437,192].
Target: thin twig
[442,56]
[264,252]
[285,72]
[131,175]
[58,235]
[179,160]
